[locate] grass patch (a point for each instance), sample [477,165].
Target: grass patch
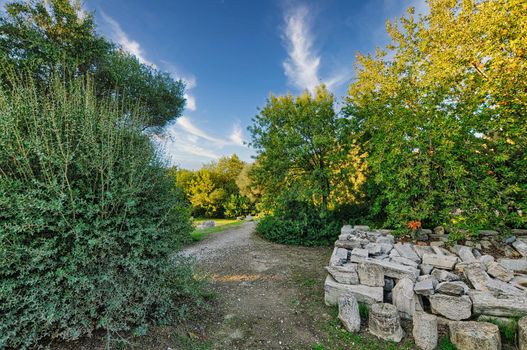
[508,328]
[364,312]
[445,344]
[221,225]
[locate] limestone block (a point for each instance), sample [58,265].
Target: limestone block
[349,312]
[425,330]
[384,322]
[475,335]
[452,307]
[364,294]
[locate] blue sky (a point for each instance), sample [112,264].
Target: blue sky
[234,53]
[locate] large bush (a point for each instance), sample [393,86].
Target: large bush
[88,219]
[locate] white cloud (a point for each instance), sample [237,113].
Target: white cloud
[301,66]
[303,62]
[119,36]
[236,136]
[191,102]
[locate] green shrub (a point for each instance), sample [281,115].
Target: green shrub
[88,218]
[300,223]
[445,344]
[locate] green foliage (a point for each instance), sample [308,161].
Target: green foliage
[88,218]
[51,37]
[443,119]
[300,224]
[212,190]
[364,311]
[508,328]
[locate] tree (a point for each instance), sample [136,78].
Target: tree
[295,139]
[46,38]
[443,118]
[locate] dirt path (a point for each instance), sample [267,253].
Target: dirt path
[263,291]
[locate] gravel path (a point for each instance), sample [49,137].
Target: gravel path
[261,290]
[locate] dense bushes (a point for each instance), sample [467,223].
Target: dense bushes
[88,219]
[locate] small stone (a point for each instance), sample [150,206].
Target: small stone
[469,243]
[425,287]
[477,276]
[499,271]
[437,244]
[455,288]
[360,252]
[453,308]
[486,244]
[388,239]
[522,333]
[421,250]
[378,248]
[441,261]
[510,252]
[404,297]
[371,275]
[404,261]
[472,335]
[509,240]
[439,230]
[349,312]
[425,330]
[384,322]
[521,247]
[346,230]
[444,276]
[361,228]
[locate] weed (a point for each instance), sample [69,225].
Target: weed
[445,344]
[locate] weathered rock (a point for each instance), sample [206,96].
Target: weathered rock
[444,276]
[498,286]
[388,239]
[437,244]
[426,269]
[487,233]
[391,269]
[404,298]
[510,252]
[364,294]
[360,252]
[378,248]
[349,243]
[361,228]
[424,287]
[486,244]
[439,230]
[339,257]
[475,335]
[421,250]
[501,305]
[404,261]
[349,312]
[384,322]
[486,260]
[477,276]
[453,308]
[519,282]
[466,255]
[521,247]
[455,288]
[519,232]
[371,274]
[425,330]
[346,274]
[522,333]
[346,230]
[405,250]
[440,261]
[509,240]
[516,265]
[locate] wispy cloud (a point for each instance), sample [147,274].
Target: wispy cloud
[119,36]
[303,62]
[236,136]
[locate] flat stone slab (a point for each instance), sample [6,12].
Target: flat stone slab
[473,335]
[390,269]
[454,288]
[371,274]
[406,250]
[349,312]
[466,255]
[444,276]
[424,287]
[453,308]
[488,304]
[516,265]
[521,247]
[441,261]
[346,274]
[364,294]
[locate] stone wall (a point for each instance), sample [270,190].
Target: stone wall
[431,283]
